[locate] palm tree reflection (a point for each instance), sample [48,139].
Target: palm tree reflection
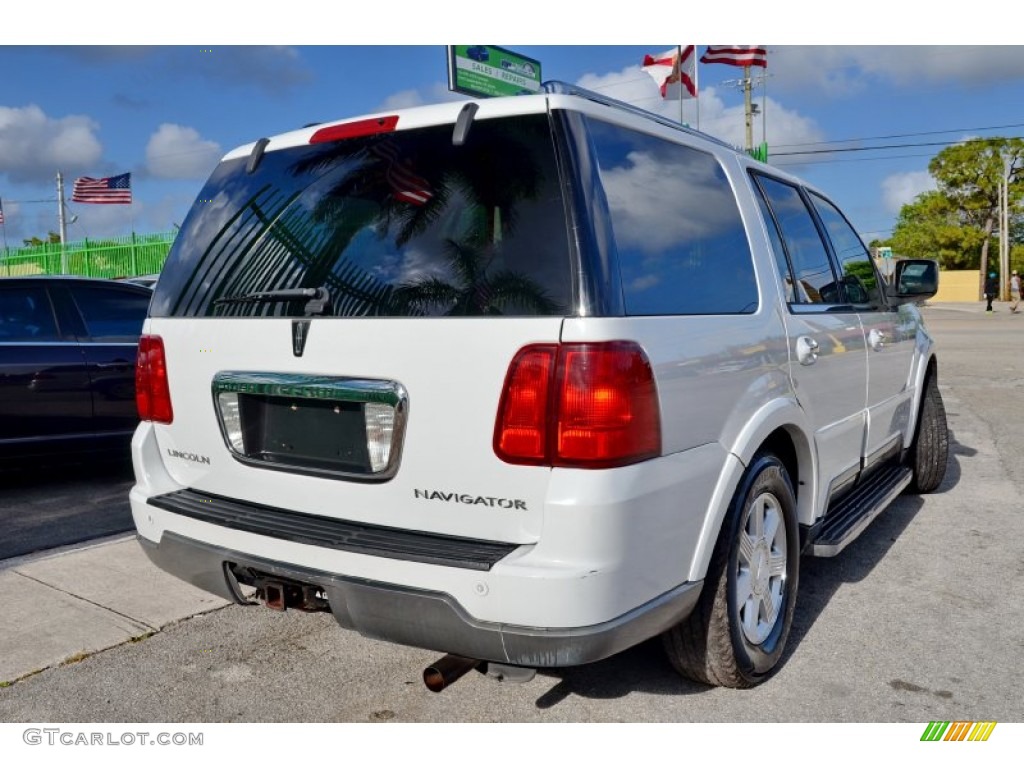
[477,290]
[309,226]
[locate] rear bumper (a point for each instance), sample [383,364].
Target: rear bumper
[423,618]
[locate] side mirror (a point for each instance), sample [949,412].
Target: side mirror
[913,280]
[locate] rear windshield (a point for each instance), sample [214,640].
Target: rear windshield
[399,224]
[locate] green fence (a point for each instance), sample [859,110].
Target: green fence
[126,256]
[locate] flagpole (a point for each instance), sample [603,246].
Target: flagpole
[764,113]
[134,265]
[696,82]
[679,75]
[63,223]
[3,223]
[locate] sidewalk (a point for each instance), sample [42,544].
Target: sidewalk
[975,307]
[65,604]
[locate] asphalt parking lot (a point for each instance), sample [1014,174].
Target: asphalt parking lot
[55,504]
[918,620]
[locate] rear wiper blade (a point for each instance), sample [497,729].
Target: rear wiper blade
[318,299]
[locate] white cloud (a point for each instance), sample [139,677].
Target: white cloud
[843,70]
[437,92]
[178,152]
[34,146]
[784,126]
[636,87]
[402,100]
[901,188]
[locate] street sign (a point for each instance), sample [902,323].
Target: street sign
[487,70]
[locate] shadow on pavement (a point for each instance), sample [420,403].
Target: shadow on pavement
[55,504]
[645,668]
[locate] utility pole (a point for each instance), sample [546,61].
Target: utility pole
[747,83]
[748,112]
[1004,231]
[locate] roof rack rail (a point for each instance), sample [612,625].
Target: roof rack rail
[568,89]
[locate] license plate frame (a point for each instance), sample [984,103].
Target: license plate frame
[307,424]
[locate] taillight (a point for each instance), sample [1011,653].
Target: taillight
[152,391]
[589,405]
[521,434]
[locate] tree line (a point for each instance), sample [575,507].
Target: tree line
[958,222]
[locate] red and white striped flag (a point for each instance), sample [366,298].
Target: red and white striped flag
[672,67]
[111,190]
[407,185]
[736,55]
[1,211]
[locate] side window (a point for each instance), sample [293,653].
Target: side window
[858,272]
[26,314]
[814,280]
[111,313]
[681,243]
[795,293]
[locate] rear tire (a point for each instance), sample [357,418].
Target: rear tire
[736,635]
[930,449]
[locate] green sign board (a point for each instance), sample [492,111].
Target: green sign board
[487,70]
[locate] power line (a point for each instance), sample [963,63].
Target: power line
[906,135]
[776,153]
[609,86]
[830,161]
[884,146]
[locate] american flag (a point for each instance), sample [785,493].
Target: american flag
[736,55]
[406,185]
[1,211]
[113,189]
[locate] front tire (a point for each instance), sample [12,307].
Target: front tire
[930,449]
[736,635]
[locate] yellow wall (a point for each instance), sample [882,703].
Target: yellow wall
[957,285]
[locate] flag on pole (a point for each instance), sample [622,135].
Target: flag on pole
[113,190]
[673,67]
[736,55]
[1,211]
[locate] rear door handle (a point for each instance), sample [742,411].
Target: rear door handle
[806,350]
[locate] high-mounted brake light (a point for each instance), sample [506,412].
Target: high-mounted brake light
[152,391]
[355,129]
[592,405]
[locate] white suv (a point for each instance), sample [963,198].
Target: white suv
[526,381]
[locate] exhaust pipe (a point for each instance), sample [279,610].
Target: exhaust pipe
[446,671]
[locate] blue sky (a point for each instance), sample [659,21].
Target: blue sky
[166,111]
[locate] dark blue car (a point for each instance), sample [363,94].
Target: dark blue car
[478,53]
[67,365]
